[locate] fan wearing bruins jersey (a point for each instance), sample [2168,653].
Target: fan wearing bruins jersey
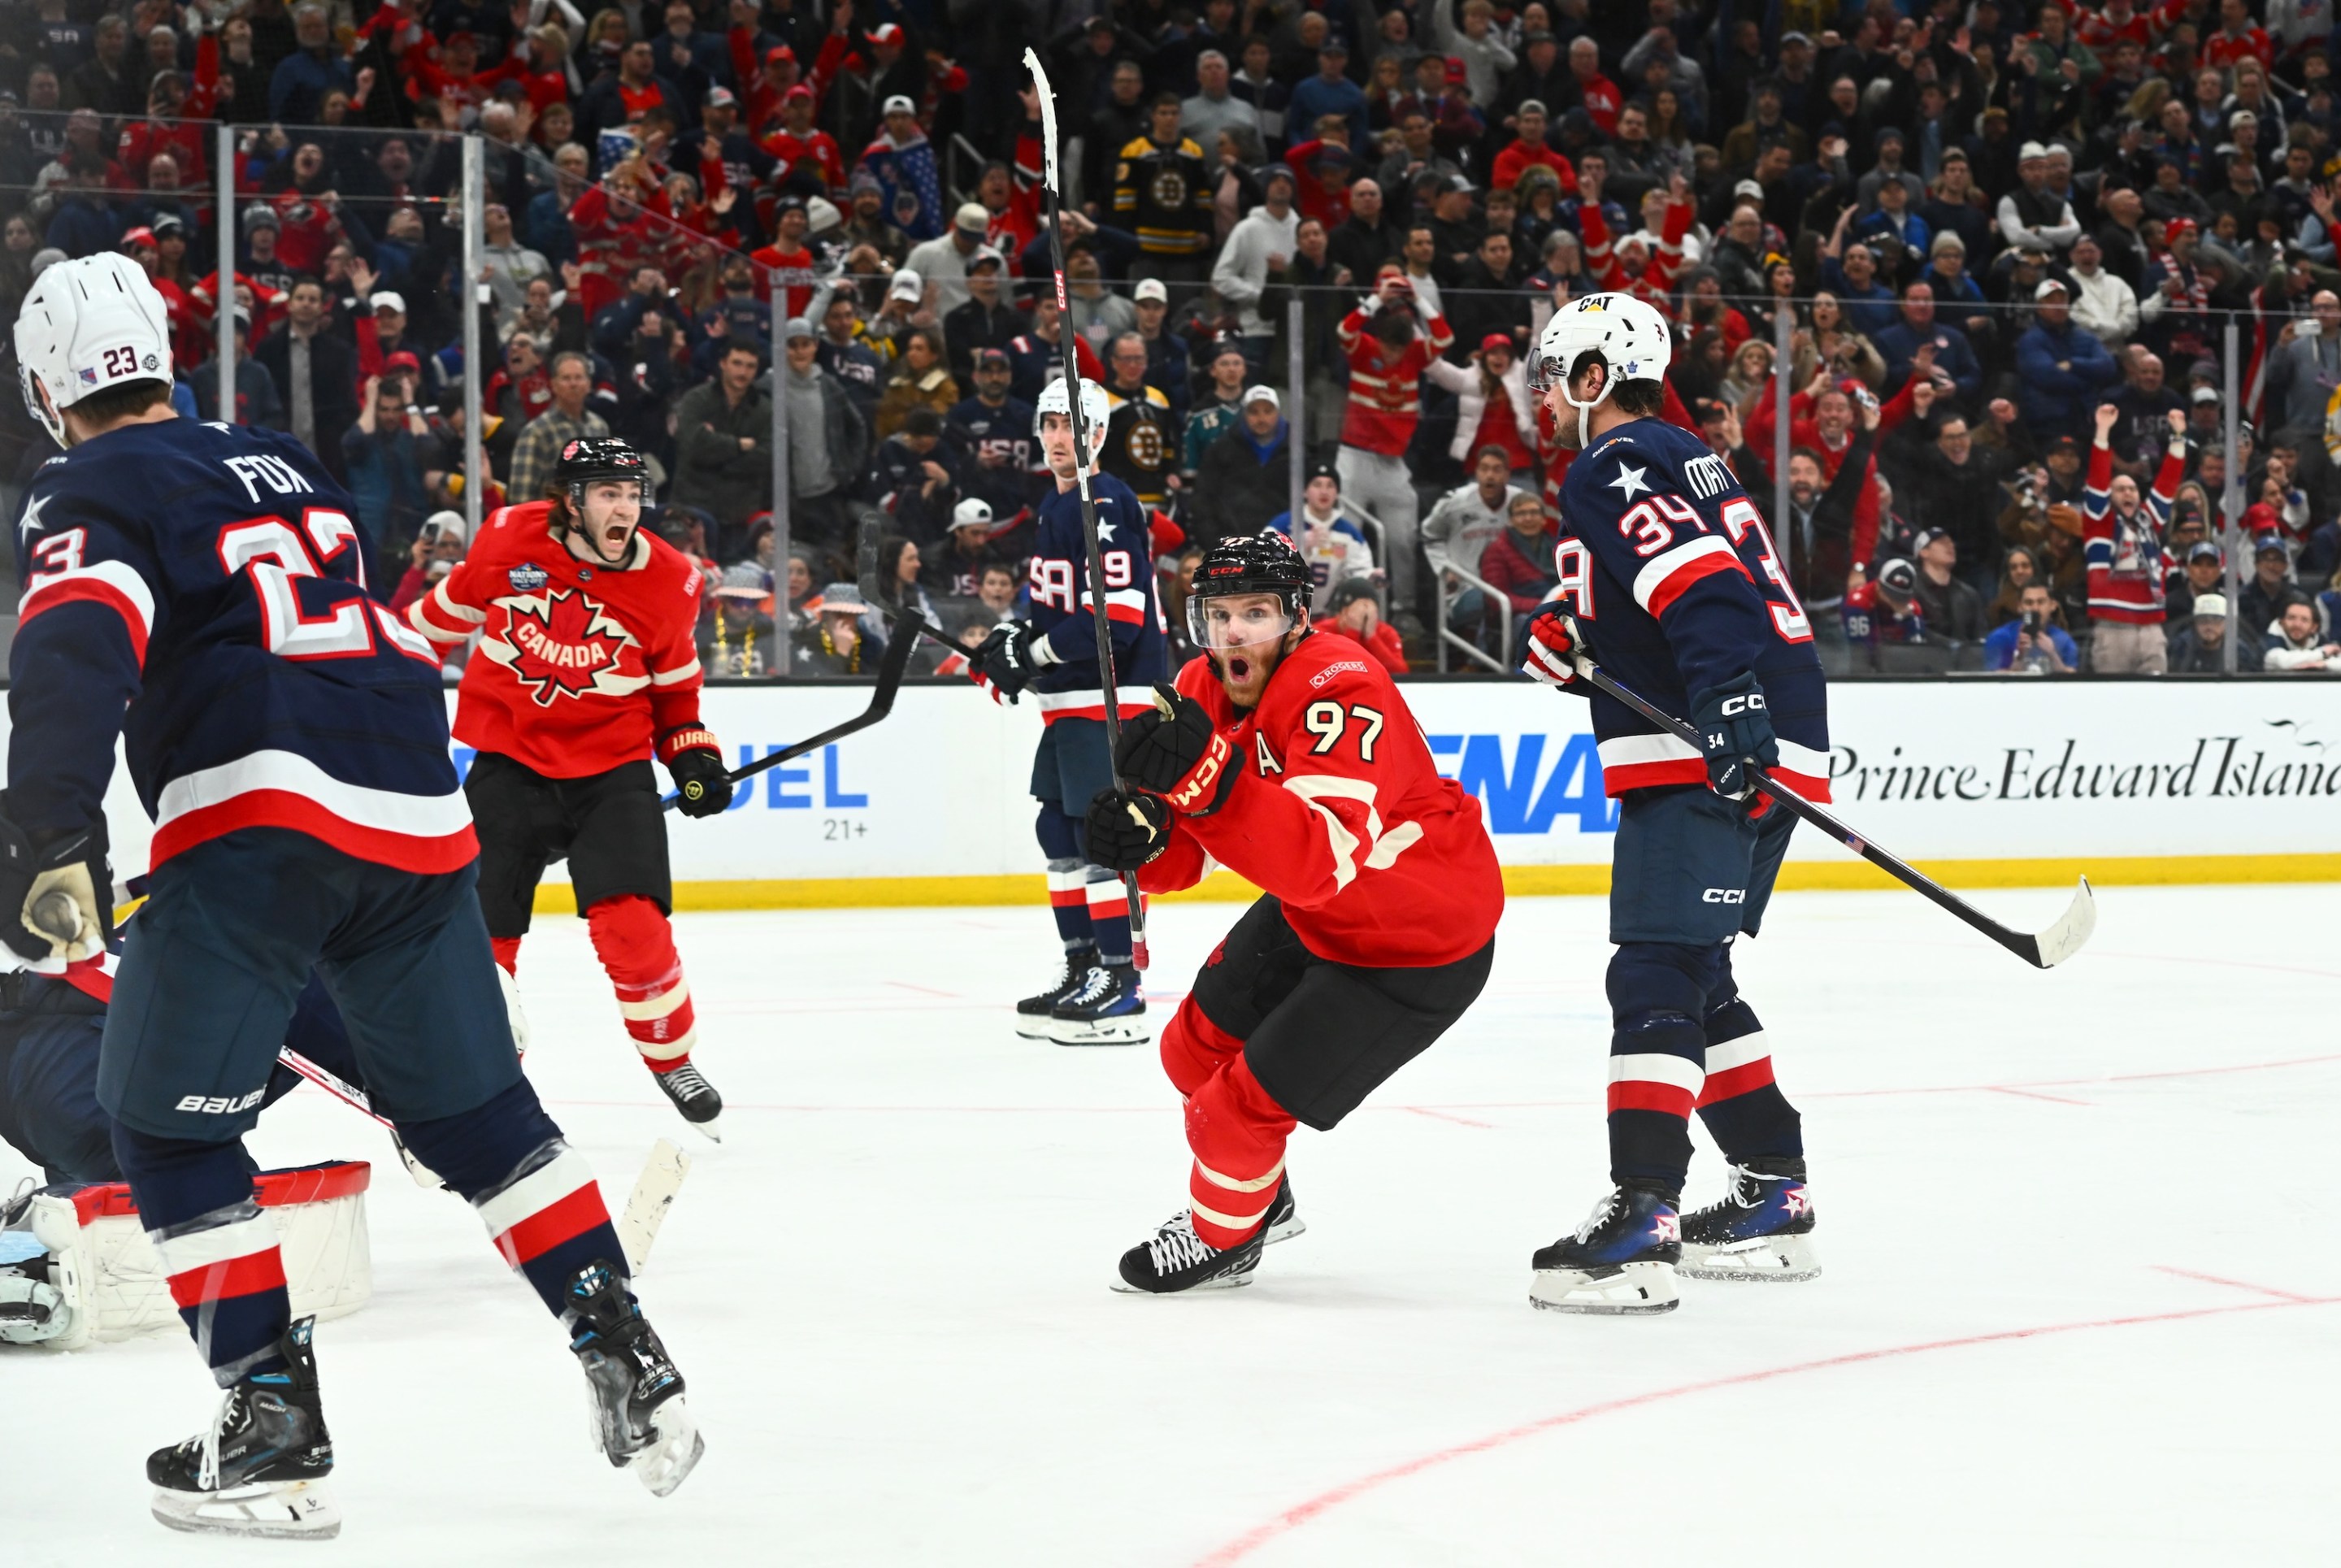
[1142,435]
[1162,190]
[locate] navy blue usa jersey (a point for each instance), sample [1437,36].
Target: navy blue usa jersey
[1002,463]
[1058,580]
[201,589]
[1673,576]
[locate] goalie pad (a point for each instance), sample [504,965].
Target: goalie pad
[112,1285]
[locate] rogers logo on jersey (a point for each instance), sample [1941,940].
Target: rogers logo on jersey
[562,645]
[1317,681]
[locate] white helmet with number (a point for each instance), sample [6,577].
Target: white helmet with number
[1095,411]
[88,325]
[1632,337]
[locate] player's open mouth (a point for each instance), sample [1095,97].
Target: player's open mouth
[1239,668]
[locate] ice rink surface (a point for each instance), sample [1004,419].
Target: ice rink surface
[2082,1300]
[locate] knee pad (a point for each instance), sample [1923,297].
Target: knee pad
[1649,979]
[632,938]
[178,1178]
[1060,835]
[1194,1048]
[474,1149]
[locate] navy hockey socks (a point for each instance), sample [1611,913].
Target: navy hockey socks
[1069,900]
[1108,914]
[535,1195]
[1657,1053]
[217,1247]
[1743,1108]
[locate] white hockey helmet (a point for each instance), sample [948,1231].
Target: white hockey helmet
[85,326]
[1632,337]
[1095,411]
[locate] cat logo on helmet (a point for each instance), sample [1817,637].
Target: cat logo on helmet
[1593,302]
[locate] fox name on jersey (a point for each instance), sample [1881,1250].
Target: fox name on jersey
[202,589]
[1672,574]
[566,644]
[1061,615]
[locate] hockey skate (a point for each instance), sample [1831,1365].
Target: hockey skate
[260,1468]
[1177,1258]
[1761,1229]
[1621,1260]
[1033,1013]
[638,1417]
[692,1095]
[1283,1221]
[1107,1009]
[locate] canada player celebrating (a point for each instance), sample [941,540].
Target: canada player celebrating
[1668,576]
[1291,759]
[586,668]
[1096,1000]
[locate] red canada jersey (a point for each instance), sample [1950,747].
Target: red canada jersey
[580,667]
[1339,812]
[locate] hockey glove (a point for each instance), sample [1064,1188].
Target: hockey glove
[1175,750]
[700,776]
[1735,727]
[1127,829]
[49,898]
[1010,657]
[1554,647]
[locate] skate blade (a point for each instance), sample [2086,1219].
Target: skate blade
[1781,1260]
[1218,1282]
[271,1510]
[674,1448]
[706,1129]
[1626,1290]
[1031,1027]
[1132,1030]
[1286,1229]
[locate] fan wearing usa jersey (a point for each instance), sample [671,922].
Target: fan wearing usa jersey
[1669,580]
[198,591]
[587,668]
[1289,757]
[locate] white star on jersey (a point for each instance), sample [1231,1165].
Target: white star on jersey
[31,522]
[1629,480]
[1105,530]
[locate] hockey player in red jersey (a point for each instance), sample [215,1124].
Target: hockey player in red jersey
[1668,577]
[587,667]
[1290,758]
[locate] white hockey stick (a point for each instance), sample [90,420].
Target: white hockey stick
[349,1094]
[653,1196]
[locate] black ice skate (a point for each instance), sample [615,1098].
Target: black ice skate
[1177,1258]
[639,1419]
[1283,1221]
[1032,1020]
[1761,1229]
[1107,1009]
[692,1095]
[1621,1260]
[260,1468]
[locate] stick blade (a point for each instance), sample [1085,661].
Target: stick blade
[1048,98]
[2071,931]
[654,1195]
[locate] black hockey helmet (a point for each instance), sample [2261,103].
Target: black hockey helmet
[592,457]
[1263,563]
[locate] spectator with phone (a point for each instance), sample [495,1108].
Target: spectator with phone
[2033,643]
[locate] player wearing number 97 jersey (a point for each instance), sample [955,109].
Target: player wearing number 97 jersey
[1669,580]
[201,590]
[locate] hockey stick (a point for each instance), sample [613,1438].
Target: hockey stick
[654,1195]
[881,703]
[1050,183]
[865,573]
[355,1098]
[2046,950]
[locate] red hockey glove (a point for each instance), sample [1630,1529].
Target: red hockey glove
[1554,645]
[696,760]
[1175,751]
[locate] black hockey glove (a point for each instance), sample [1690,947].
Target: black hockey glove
[1735,727]
[1127,829]
[55,901]
[1174,750]
[700,776]
[1008,659]
[1553,646]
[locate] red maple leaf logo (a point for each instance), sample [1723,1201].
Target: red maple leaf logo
[561,645]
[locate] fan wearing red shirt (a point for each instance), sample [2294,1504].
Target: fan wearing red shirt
[1290,758]
[587,667]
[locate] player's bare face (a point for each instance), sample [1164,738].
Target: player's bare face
[613,509]
[1245,636]
[1057,446]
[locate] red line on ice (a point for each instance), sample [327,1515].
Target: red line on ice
[1324,1502]
[2236,1285]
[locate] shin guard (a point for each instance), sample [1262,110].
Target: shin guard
[1237,1131]
[636,947]
[217,1247]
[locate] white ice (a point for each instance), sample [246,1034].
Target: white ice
[2079,1304]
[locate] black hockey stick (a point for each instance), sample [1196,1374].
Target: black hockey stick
[2045,949]
[1051,184]
[881,702]
[866,575]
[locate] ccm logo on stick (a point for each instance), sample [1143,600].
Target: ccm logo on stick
[1723,896]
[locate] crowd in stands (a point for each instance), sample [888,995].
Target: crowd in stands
[1306,240]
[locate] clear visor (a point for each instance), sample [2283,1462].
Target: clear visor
[1237,621]
[1544,370]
